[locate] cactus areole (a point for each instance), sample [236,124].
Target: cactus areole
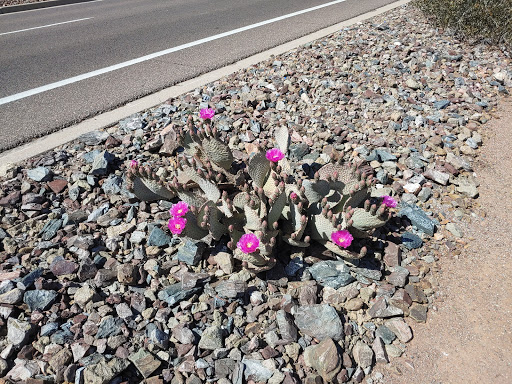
[263,202]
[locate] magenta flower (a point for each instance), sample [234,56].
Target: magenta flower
[342,238]
[206,113]
[274,155]
[177,224]
[179,209]
[293,195]
[248,243]
[133,163]
[389,202]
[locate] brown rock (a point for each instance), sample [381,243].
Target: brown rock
[57,185]
[392,254]
[325,358]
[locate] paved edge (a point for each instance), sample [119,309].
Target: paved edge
[107,119]
[38,5]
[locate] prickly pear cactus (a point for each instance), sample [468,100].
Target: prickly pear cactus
[264,198]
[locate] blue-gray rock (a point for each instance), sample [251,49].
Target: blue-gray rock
[74,192]
[156,336]
[191,252]
[320,321]
[39,174]
[331,273]
[132,123]
[40,299]
[109,326]
[298,151]
[93,216]
[93,138]
[175,293]
[63,336]
[3,234]
[385,334]
[18,331]
[101,163]
[367,269]
[89,156]
[418,218]
[255,371]
[28,280]
[441,104]
[294,266]
[380,155]
[411,241]
[382,176]
[112,185]
[49,328]
[50,229]
[158,238]
[255,126]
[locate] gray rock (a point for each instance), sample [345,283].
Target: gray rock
[101,163]
[175,293]
[158,238]
[156,336]
[12,297]
[287,328]
[398,277]
[93,138]
[418,218]
[363,354]
[334,274]
[109,326]
[212,338]
[50,229]
[298,151]
[256,371]
[385,334]
[381,309]
[231,288]
[145,362]
[112,185]
[40,299]
[441,104]
[49,328]
[18,332]
[102,372]
[28,280]
[320,321]
[94,215]
[454,230]
[39,174]
[411,241]
[191,252]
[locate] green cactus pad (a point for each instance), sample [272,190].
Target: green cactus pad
[217,152]
[365,221]
[282,138]
[258,168]
[150,190]
[346,254]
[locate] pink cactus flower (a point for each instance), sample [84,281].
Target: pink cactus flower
[177,224]
[133,163]
[248,243]
[293,196]
[274,155]
[389,202]
[206,113]
[179,209]
[342,238]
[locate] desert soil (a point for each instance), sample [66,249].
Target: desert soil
[469,338]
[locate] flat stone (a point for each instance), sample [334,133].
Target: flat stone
[39,174]
[191,252]
[363,354]
[334,274]
[175,293]
[12,297]
[392,254]
[60,267]
[101,163]
[415,293]
[320,321]
[93,138]
[231,288]
[109,326]
[398,277]
[83,295]
[418,218]
[437,176]
[381,309]
[454,230]
[225,262]
[385,334]
[57,185]
[400,328]
[325,357]
[212,338]
[103,372]
[381,356]
[256,371]
[411,241]
[158,238]
[18,332]
[287,328]
[145,362]
[40,299]
[50,229]
[418,312]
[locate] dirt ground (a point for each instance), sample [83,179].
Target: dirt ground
[469,338]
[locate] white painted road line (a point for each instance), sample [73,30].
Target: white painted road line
[88,75]
[45,26]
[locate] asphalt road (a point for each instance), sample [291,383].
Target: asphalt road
[41,47]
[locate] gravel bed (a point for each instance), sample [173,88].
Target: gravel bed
[95,289]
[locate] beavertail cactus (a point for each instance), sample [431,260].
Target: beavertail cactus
[257,205]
